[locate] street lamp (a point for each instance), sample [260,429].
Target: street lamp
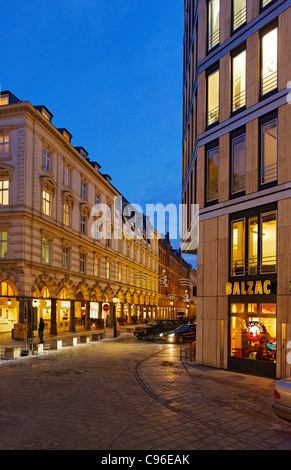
[115,300]
[9,302]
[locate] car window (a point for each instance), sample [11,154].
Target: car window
[192,328]
[153,323]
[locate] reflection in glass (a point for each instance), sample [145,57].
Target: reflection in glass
[269,152]
[239,81]
[269,62]
[212,174]
[213,23]
[213,98]
[238,164]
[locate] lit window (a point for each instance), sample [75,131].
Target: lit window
[269,137]
[238,248]
[107,270]
[269,244]
[82,262]
[239,81]
[4,146]
[66,257]
[213,23]
[4,193]
[4,100]
[96,265]
[266,2]
[212,174]
[46,160]
[45,250]
[119,272]
[239,13]
[46,203]
[213,98]
[238,164]
[3,244]
[253,238]
[269,62]
[66,215]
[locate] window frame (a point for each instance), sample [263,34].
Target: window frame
[263,121]
[208,148]
[3,242]
[271,27]
[4,192]
[240,50]
[214,69]
[46,160]
[47,249]
[233,29]
[4,144]
[210,49]
[233,136]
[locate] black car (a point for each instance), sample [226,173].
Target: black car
[154,329]
[181,334]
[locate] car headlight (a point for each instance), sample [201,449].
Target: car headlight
[172,335]
[161,335]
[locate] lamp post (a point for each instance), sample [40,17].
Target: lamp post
[35,304]
[115,300]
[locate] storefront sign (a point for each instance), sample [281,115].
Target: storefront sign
[249,288]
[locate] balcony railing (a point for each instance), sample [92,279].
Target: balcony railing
[254,266]
[239,18]
[213,116]
[239,101]
[213,39]
[269,173]
[269,82]
[238,184]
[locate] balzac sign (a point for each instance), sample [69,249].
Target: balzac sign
[250,288]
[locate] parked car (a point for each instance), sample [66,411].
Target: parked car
[183,333]
[155,327]
[282,397]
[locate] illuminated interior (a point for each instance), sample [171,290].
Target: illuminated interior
[253,333]
[238,246]
[212,175]
[239,81]
[239,13]
[269,61]
[213,22]
[269,152]
[213,98]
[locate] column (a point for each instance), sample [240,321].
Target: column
[53,330]
[72,316]
[87,315]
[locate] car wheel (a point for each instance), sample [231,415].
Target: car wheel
[151,336]
[180,339]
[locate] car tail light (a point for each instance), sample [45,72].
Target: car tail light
[276,395]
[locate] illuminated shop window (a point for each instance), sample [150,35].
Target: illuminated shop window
[3,244]
[238,248]
[239,81]
[253,334]
[269,62]
[269,243]
[4,146]
[213,98]
[238,181]
[269,151]
[6,290]
[213,23]
[239,13]
[4,192]
[45,251]
[212,174]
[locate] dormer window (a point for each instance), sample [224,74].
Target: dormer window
[4,100]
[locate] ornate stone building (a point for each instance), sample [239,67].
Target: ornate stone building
[50,264]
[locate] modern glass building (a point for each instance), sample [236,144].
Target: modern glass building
[236,165]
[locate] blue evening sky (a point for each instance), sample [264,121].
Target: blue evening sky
[110,71]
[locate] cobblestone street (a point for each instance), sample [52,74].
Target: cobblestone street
[124,394]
